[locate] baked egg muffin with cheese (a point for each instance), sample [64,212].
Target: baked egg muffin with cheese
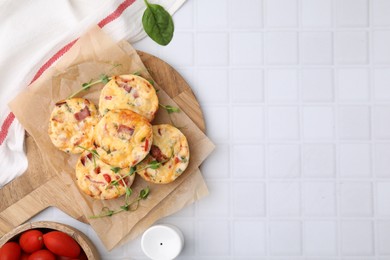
[72,123]
[123,138]
[129,92]
[95,178]
[170,148]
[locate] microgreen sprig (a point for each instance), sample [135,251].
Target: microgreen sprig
[152,165]
[128,190]
[107,212]
[87,85]
[170,109]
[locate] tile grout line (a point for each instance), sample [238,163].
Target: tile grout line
[336,134]
[195,61]
[300,134]
[267,235]
[292,29]
[312,66]
[194,214]
[265,135]
[231,218]
[373,183]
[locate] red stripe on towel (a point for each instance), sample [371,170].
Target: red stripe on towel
[108,19]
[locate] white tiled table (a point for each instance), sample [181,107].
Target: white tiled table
[296,96]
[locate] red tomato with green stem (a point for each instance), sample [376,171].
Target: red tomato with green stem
[31,241]
[61,244]
[10,251]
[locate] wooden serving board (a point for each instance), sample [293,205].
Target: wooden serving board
[39,188]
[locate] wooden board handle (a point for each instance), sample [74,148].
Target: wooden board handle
[36,201]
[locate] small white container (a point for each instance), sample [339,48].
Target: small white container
[162,242]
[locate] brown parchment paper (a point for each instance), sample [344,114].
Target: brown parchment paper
[92,55]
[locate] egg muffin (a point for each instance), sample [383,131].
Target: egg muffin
[129,92]
[97,179]
[123,138]
[170,149]
[72,123]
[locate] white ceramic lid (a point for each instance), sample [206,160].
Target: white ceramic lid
[162,242]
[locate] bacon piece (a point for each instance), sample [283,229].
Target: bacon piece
[55,119]
[78,142]
[97,182]
[125,86]
[108,97]
[82,114]
[82,160]
[89,156]
[59,103]
[97,170]
[177,160]
[146,174]
[125,130]
[157,154]
[135,94]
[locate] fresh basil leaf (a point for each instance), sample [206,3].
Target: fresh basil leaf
[158,23]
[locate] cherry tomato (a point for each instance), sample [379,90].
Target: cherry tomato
[31,241]
[83,256]
[60,257]
[42,255]
[61,244]
[10,251]
[24,256]
[107,177]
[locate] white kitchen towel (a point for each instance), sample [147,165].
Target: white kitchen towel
[34,35]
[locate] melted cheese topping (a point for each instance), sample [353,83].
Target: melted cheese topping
[94,177]
[174,149]
[129,92]
[70,125]
[123,138]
